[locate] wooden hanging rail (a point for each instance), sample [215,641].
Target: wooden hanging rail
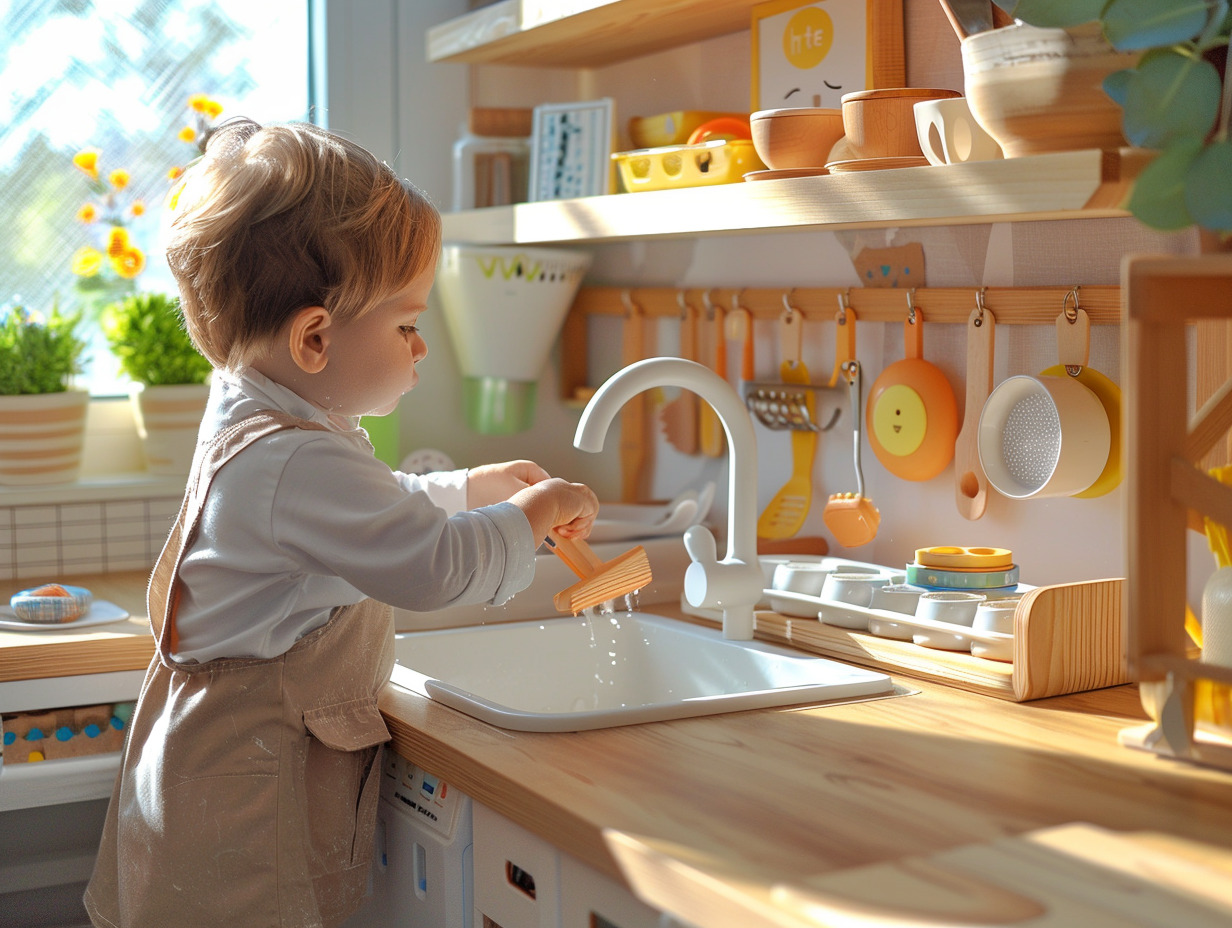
[1011,305]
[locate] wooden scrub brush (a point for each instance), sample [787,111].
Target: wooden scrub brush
[599,581]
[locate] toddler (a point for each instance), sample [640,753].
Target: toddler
[248,786]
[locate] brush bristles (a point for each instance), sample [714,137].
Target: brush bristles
[624,574]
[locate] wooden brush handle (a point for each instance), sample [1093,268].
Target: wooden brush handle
[576,553]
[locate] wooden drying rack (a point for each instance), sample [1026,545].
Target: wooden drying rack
[1166,484]
[1010,306]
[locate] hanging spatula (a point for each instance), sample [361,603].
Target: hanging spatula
[852,517]
[784,516]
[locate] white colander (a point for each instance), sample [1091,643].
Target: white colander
[1043,436]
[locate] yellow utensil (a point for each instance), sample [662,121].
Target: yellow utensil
[786,512]
[852,517]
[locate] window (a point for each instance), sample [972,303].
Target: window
[116,76]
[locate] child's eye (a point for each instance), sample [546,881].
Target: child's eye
[408,330]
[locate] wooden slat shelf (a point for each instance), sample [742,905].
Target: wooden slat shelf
[581,33]
[1062,185]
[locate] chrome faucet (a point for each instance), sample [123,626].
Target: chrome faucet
[733,584]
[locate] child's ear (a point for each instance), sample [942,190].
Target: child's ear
[309,339]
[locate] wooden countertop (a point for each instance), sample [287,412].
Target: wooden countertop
[735,818]
[715,816]
[62,652]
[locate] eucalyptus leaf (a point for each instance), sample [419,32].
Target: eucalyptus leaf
[1157,199]
[1116,85]
[1208,187]
[1055,13]
[1170,95]
[1218,26]
[1133,25]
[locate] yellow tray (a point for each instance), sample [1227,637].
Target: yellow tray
[715,162]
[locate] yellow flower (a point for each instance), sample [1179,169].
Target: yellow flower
[87,261]
[175,173]
[117,242]
[213,108]
[87,213]
[129,263]
[187,134]
[87,161]
[119,178]
[138,207]
[197,102]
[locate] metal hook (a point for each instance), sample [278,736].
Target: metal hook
[684,306]
[911,306]
[787,302]
[706,301]
[843,306]
[1071,315]
[631,308]
[979,304]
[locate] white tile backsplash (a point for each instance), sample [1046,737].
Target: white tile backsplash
[47,542]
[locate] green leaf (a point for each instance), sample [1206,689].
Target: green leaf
[1158,197]
[1208,187]
[1056,13]
[146,334]
[1132,25]
[1170,95]
[1116,85]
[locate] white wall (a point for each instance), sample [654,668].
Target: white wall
[1054,540]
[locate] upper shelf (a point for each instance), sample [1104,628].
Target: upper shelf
[581,33]
[1063,185]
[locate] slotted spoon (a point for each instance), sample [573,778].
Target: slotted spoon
[786,512]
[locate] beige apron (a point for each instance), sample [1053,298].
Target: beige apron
[248,787]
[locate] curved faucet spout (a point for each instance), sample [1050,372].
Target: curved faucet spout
[733,584]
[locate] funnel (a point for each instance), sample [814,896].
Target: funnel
[504,307]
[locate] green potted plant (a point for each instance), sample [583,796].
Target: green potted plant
[42,419]
[1175,100]
[146,333]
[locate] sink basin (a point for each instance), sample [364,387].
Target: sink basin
[599,671]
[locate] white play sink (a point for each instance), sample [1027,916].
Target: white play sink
[623,668]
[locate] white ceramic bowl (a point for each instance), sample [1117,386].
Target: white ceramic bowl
[952,608]
[1043,436]
[853,588]
[800,577]
[894,597]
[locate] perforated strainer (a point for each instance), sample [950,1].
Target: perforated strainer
[1043,436]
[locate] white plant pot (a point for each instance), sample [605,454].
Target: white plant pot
[168,420]
[41,435]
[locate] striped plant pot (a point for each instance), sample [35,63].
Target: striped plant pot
[41,435]
[168,419]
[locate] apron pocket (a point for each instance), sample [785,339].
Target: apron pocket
[342,783]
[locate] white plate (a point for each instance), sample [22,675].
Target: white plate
[627,521]
[100,613]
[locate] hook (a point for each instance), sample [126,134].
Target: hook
[911,306]
[631,308]
[791,310]
[979,304]
[1071,315]
[684,306]
[706,301]
[844,303]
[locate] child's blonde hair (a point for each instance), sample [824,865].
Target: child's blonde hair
[278,218]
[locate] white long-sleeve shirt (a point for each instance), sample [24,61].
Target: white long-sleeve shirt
[304,520]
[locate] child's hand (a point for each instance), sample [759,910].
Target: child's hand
[570,508]
[488,484]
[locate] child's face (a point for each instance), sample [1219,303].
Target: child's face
[372,359]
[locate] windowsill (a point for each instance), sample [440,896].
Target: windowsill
[96,489]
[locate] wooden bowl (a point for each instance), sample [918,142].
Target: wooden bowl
[1041,90]
[881,123]
[796,137]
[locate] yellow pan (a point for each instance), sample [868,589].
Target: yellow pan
[1109,396]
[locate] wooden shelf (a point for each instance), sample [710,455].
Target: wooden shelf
[581,33]
[1064,185]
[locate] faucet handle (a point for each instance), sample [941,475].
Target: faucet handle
[700,544]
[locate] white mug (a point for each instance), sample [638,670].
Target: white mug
[949,134]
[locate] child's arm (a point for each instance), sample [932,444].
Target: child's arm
[488,484]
